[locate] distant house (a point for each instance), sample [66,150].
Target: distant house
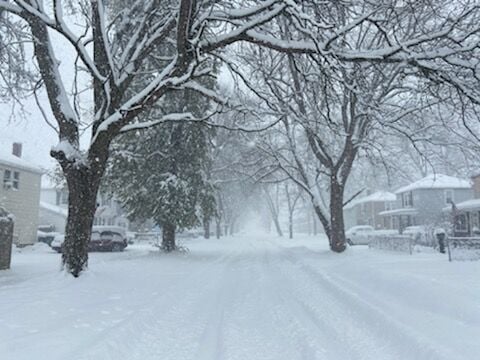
[422,202]
[465,215]
[366,210]
[20,194]
[54,208]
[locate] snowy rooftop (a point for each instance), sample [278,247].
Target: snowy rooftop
[9,159]
[436,181]
[375,197]
[472,204]
[401,211]
[54,208]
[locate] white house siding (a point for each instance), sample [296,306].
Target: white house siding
[22,203]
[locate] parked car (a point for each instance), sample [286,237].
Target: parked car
[359,235]
[57,242]
[104,238]
[108,238]
[46,237]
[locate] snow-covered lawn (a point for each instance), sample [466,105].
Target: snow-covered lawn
[246,297]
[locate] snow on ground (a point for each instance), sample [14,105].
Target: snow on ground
[245,297]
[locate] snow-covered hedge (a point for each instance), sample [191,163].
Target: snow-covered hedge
[401,243]
[463,248]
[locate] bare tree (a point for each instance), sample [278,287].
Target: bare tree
[185,31]
[116,49]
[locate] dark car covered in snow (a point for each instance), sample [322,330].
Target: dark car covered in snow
[108,238]
[104,238]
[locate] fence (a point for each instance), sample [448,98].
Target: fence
[400,243]
[463,248]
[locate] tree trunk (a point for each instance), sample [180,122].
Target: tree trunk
[168,237]
[82,203]
[206,229]
[218,228]
[337,226]
[290,226]
[277,226]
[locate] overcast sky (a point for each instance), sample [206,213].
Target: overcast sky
[31,130]
[28,126]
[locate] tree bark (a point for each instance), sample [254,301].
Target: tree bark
[290,225]
[337,226]
[206,229]
[218,230]
[168,237]
[82,201]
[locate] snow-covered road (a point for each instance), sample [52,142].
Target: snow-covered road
[250,297]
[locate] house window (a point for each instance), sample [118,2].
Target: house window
[448,194]
[11,179]
[407,199]
[16,180]
[461,224]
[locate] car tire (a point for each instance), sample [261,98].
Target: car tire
[117,247]
[349,242]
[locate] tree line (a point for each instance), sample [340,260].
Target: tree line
[326,79]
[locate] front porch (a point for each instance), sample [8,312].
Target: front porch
[399,219]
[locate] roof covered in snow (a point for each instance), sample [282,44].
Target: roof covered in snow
[53,208]
[437,181]
[375,197]
[401,211]
[11,160]
[472,204]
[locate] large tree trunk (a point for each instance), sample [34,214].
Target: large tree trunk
[168,237]
[337,226]
[82,201]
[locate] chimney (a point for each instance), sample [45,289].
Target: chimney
[17,149]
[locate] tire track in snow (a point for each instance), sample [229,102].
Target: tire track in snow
[147,326]
[312,335]
[374,322]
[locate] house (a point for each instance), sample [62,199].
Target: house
[422,202]
[20,194]
[465,215]
[366,210]
[54,208]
